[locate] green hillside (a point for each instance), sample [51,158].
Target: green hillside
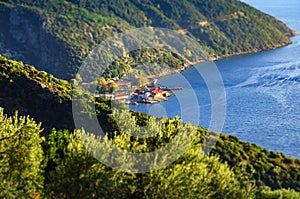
[57,35]
[35,93]
[48,100]
[44,157]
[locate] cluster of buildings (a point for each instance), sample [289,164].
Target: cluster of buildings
[148,94]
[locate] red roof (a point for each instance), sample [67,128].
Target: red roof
[156,90]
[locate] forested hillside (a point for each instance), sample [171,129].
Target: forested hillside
[35,93]
[43,155]
[65,169]
[57,35]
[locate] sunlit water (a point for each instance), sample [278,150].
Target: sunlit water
[262,90]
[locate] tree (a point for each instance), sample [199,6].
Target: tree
[53,147]
[266,192]
[102,81]
[20,157]
[79,175]
[113,86]
[102,84]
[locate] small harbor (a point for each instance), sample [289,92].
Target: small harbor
[125,91]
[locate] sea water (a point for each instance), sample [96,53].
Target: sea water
[262,90]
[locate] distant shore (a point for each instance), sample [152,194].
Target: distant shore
[217,58]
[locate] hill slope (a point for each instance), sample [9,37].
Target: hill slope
[48,100]
[35,93]
[57,35]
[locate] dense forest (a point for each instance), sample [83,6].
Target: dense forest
[50,158]
[43,154]
[57,35]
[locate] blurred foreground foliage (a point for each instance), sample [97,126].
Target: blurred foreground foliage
[63,165]
[36,161]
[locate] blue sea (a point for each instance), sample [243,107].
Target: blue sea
[262,90]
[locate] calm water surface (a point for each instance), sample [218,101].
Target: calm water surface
[262,90]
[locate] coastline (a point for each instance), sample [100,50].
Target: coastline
[186,65]
[212,59]
[253,51]
[136,101]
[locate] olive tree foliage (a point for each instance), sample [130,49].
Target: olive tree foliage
[200,178]
[266,192]
[20,157]
[79,174]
